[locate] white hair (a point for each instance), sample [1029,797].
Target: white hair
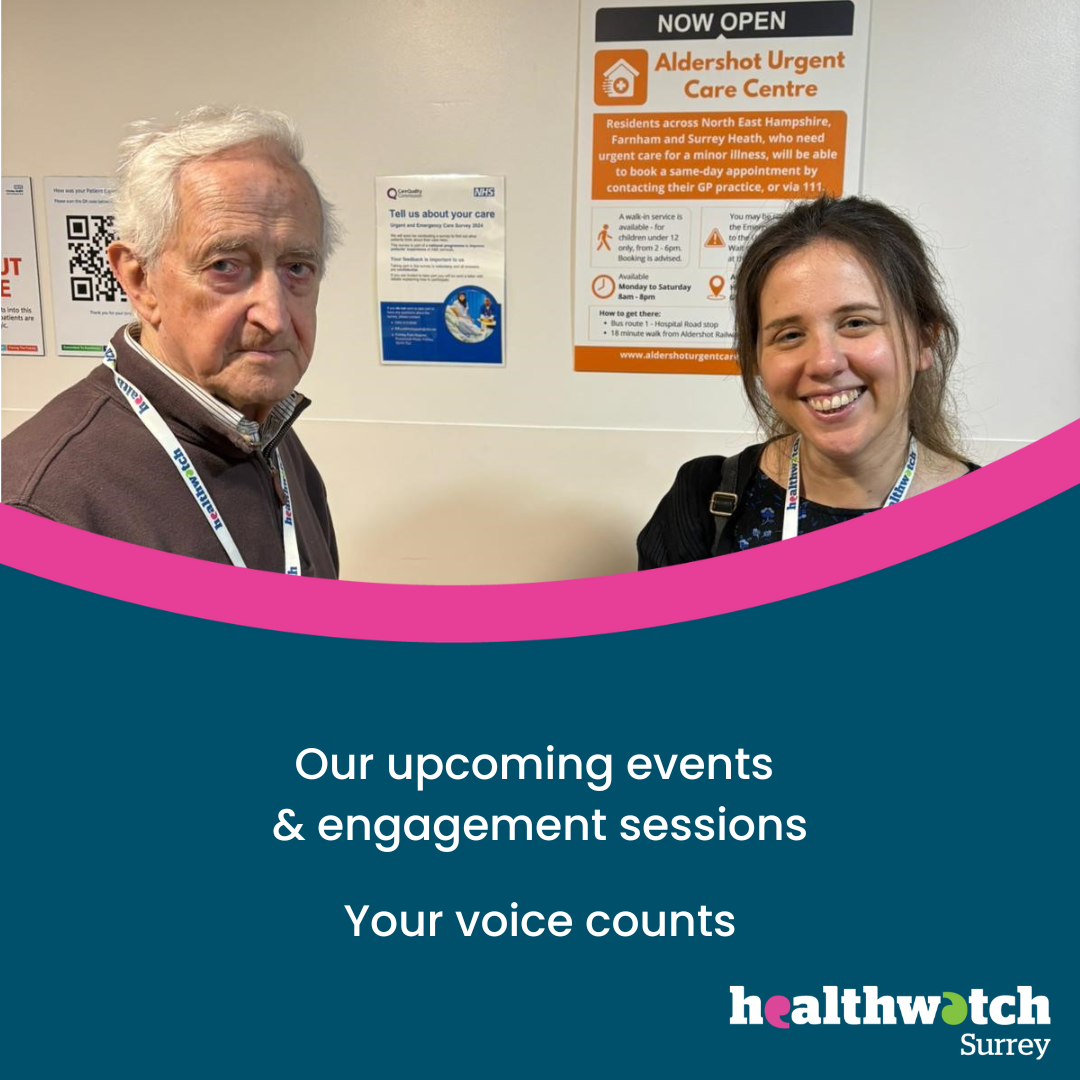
[146,202]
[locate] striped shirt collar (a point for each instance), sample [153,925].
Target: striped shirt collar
[254,434]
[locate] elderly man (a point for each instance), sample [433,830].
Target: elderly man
[182,439]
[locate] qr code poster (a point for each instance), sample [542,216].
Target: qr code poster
[88,304]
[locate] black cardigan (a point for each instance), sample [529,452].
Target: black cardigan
[683,529]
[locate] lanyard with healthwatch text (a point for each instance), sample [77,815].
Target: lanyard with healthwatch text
[791,507]
[151,418]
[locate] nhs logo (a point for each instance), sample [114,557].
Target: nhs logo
[483,193]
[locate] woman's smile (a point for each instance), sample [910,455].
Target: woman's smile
[839,403]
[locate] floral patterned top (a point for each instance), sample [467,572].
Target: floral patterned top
[761,521]
[683,528]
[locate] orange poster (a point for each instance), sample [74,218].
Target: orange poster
[698,125]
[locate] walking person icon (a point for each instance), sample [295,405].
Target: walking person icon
[602,238]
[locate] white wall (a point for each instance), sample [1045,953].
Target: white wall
[535,471]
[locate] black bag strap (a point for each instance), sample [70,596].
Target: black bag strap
[735,474]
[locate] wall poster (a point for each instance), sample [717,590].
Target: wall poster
[20,290]
[697,124]
[441,269]
[88,303]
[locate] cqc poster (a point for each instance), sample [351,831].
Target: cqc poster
[20,291]
[441,269]
[88,302]
[697,124]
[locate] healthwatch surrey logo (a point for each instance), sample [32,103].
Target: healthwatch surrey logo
[869,1008]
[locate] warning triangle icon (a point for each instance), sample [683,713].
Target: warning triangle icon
[715,239]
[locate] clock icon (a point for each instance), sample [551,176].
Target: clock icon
[603,286]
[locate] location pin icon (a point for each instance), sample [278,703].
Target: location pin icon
[716,283]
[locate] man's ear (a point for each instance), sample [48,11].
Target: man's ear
[134,280]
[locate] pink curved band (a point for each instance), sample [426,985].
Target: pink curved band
[554,609]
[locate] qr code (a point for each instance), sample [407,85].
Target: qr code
[88,236]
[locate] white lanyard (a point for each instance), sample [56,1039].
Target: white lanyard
[791,506]
[151,418]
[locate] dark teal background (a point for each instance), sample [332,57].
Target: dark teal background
[922,720]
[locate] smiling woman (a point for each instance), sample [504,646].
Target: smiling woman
[845,346]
